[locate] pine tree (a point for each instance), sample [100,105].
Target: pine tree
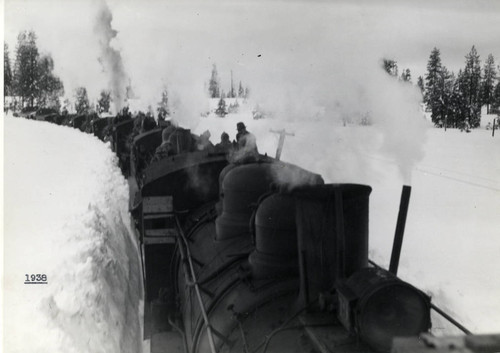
[7,72]
[82,105]
[420,84]
[163,109]
[233,107]
[434,85]
[104,101]
[232,92]
[488,83]
[406,75]
[213,85]
[447,80]
[471,87]
[25,68]
[221,106]
[241,91]
[459,103]
[391,67]
[495,105]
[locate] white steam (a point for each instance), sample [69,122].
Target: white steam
[109,57]
[347,90]
[304,63]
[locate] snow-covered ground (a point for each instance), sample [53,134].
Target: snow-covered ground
[66,217]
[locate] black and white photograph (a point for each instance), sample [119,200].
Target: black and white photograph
[251,176]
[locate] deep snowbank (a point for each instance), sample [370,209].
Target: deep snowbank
[66,216]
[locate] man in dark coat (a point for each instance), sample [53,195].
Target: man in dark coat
[165,149]
[245,140]
[225,145]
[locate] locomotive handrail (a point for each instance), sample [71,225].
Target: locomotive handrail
[437,309]
[186,254]
[450,319]
[182,333]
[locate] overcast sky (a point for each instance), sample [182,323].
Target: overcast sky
[176,43]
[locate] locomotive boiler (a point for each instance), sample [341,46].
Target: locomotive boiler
[263,256]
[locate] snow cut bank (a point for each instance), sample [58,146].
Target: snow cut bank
[66,216]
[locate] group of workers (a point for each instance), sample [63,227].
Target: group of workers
[176,140]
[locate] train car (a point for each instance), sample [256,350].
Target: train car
[142,152]
[121,129]
[100,126]
[46,114]
[78,121]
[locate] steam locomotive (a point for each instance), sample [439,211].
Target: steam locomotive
[258,255]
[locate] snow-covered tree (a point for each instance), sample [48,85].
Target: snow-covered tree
[446,112]
[233,107]
[488,82]
[495,105]
[82,105]
[434,85]
[241,91]
[406,75]
[459,103]
[26,68]
[390,66]
[221,106]
[163,108]
[232,91]
[420,84]
[7,71]
[213,85]
[471,84]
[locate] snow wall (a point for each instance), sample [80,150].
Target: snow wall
[66,217]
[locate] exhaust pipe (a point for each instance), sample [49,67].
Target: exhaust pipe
[400,229]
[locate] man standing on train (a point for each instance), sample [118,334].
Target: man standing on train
[245,140]
[245,145]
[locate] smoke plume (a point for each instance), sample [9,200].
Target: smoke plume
[109,57]
[356,109]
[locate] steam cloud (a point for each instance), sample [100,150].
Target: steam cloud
[337,94]
[109,57]
[320,78]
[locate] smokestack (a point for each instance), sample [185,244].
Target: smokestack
[400,229]
[332,235]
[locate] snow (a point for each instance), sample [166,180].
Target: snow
[66,216]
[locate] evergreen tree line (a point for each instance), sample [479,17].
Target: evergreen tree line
[103,105]
[31,78]
[215,91]
[455,100]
